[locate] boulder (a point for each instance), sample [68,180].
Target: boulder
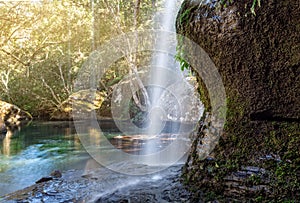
[12,117]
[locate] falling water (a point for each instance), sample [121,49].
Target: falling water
[171,110]
[164,72]
[165,21]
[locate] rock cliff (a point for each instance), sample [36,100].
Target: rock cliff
[258,57]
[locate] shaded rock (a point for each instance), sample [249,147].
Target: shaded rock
[44,179]
[3,129]
[257,56]
[250,180]
[258,59]
[54,174]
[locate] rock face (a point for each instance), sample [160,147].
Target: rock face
[12,117]
[258,57]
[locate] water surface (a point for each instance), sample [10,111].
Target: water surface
[36,151]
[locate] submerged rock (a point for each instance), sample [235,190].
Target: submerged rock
[56,174]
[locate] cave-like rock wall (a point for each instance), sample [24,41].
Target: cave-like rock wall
[258,58]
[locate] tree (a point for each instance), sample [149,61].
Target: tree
[44,43]
[40,56]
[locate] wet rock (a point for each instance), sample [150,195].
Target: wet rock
[162,191]
[44,179]
[53,175]
[104,185]
[56,174]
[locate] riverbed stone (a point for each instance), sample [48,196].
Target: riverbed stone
[104,185]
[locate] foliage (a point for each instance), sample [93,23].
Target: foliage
[184,65]
[184,16]
[180,55]
[43,45]
[41,52]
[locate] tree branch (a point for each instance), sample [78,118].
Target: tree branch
[52,92]
[15,57]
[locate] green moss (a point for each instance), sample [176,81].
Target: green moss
[254,4]
[244,145]
[204,96]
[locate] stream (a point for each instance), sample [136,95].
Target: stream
[37,150]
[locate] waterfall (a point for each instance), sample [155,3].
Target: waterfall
[163,95]
[164,72]
[165,21]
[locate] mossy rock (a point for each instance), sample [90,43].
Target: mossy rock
[258,59]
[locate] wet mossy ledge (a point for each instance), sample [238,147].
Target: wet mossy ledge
[257,55]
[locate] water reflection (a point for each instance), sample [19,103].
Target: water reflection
[94,136]
[7,143]
[36,151]
[40,148]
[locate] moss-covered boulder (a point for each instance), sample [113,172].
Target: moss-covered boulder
[257,55]
[12,117]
